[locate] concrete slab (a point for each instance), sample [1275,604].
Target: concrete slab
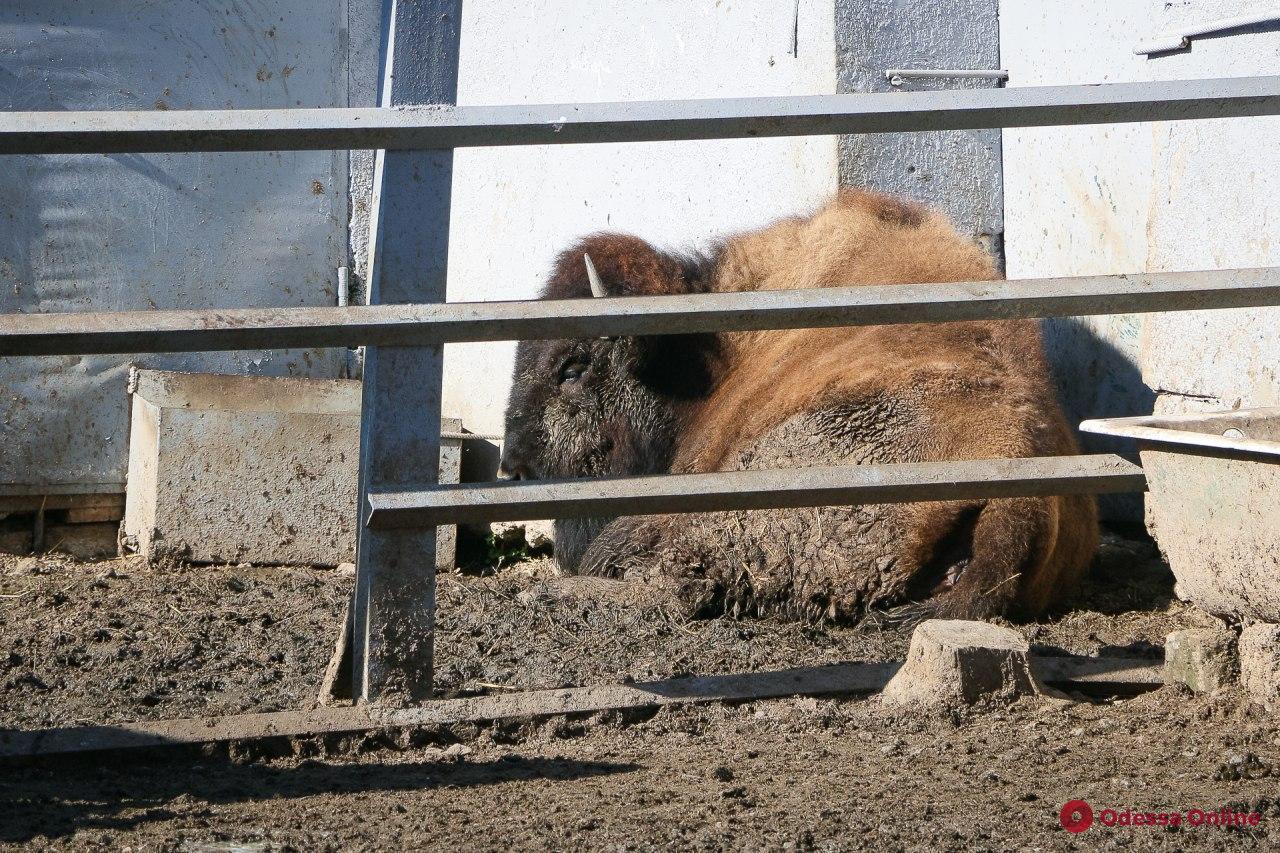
[250,469]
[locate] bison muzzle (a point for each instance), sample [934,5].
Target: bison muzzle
[805,397]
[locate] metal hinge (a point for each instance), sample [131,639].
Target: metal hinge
[344,286]
[898,76]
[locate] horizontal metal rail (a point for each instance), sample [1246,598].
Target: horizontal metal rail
[767,489]
[434,127]
[408,325]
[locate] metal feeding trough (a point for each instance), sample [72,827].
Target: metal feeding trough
[1214,504]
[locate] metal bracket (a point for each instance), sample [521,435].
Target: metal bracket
[344,286]
[1180,39]
[898,76]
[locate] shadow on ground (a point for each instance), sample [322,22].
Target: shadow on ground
[59,800]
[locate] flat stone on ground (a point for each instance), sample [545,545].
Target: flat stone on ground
[1204,659]
[960,662]
[535,535]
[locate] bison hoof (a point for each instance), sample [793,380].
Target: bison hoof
[623,593]
[905,617]
[953,573]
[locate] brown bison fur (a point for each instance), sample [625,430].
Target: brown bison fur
[806,397]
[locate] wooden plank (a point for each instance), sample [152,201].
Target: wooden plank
[401,325]
[835,485]
[838,679]
[93,514]
[443,125]
[93,501]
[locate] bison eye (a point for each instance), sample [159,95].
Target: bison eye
[572,372]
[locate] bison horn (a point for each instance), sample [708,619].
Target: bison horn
[597,288]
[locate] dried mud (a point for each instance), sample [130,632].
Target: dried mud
[119,640]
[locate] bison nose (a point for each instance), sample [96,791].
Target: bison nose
[513,469]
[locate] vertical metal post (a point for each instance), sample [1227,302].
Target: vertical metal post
[394,607]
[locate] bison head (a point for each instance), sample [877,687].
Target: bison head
[605,406]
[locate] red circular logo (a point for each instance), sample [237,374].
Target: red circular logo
[1076,816]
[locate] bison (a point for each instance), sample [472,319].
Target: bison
[804,397]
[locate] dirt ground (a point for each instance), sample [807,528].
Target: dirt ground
[119,640]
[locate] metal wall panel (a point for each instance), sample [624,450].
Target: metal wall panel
[958,171]
[80,233]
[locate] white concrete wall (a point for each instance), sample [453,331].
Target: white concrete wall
[1145,197]
[515,208]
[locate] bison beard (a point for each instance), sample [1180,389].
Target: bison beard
[806,397]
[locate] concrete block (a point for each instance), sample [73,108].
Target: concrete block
[1260,663]
[250,469]
[536,535]
[540,534]
[1204,659]
[1217,520]
[959,662]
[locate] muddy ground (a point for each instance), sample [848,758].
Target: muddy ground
[119,640]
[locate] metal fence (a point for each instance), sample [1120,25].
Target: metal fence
[400,500]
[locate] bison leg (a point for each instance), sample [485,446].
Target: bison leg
[650,551]
[628,593]
[573,536]
[822,563]
[980,561]
[957,560]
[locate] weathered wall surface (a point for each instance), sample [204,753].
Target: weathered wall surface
[223,230]
[956,171]
[515,208]
[122,232]
[365,48]
[1128,198]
